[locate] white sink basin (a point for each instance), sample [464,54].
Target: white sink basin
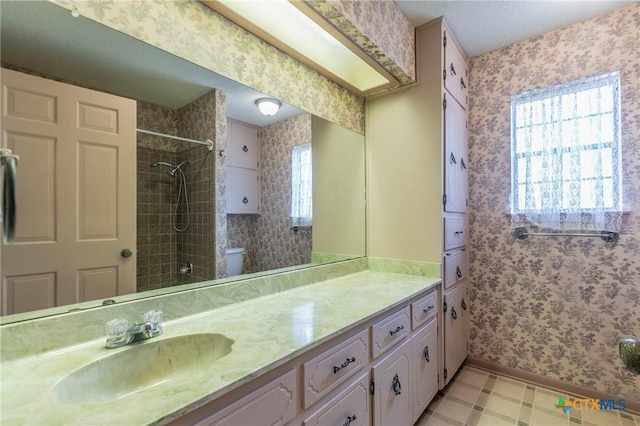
[151,363]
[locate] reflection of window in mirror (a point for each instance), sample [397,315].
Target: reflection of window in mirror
[301,195]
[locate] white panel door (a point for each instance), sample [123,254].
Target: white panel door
[76,193]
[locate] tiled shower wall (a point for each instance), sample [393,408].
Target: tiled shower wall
[161,249]
[196,245]
[157,241]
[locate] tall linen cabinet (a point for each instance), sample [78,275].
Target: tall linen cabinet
[417,181]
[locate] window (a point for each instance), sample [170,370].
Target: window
[565,155]
[301,191]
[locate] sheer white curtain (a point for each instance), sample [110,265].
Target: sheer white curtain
[565,156]
[301,190]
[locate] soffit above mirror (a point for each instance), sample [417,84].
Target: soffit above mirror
[42,37]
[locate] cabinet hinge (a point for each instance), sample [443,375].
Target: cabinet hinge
[444,74]
[444,308]
[444,104]
[444,40]
[445,374]
[372,387]
[467,202]
[444,199]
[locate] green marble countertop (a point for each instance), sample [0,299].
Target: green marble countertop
[267,332]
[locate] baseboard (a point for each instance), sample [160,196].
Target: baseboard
[633,406]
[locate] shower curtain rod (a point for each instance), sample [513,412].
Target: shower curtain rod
[208,143]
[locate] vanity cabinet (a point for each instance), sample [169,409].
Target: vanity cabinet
[417,193]
[380,372]
[243,169]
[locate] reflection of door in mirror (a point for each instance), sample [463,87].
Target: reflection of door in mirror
[75,186]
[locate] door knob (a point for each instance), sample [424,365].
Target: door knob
[126,252]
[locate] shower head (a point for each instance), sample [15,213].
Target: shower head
[173,171]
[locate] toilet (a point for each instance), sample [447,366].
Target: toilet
[235,258]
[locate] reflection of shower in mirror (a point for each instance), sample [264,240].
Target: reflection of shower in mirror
[182,188]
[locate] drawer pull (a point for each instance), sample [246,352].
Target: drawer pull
[453,70]
[464,305]
[454,314]
[463,164]
[426,353]
[397,330]
[458,232]
[245,200]
[244,148]
[452,158]
[344,364]
[430,307]
[397,387]
[349,420]
[462,85]
[458,272]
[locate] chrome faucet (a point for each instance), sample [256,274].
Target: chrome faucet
[119,334]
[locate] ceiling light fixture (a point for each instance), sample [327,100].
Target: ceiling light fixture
[298,30]
[268,106]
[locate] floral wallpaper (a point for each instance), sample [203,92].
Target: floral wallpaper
[553,306]
[196,33]
[379,28]
[268,238]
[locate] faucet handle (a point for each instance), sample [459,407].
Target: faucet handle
[116,330]
[154,317]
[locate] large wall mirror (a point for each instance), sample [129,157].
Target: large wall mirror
[183,231]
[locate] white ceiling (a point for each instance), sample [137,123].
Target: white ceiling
[483,26]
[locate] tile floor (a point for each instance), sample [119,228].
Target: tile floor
[478,398]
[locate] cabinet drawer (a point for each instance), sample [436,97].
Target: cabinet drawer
[455,267]
[389,331]
[350,407]
[272,404]
[333,367]
[455,232]
[424,309]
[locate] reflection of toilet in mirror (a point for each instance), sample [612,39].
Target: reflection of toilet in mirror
[235,258]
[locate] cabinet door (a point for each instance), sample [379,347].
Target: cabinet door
[455,68]
[272,404]
[456,161]
[243,149]
[392,388]
[456,329]
[424,356]
[243,191]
